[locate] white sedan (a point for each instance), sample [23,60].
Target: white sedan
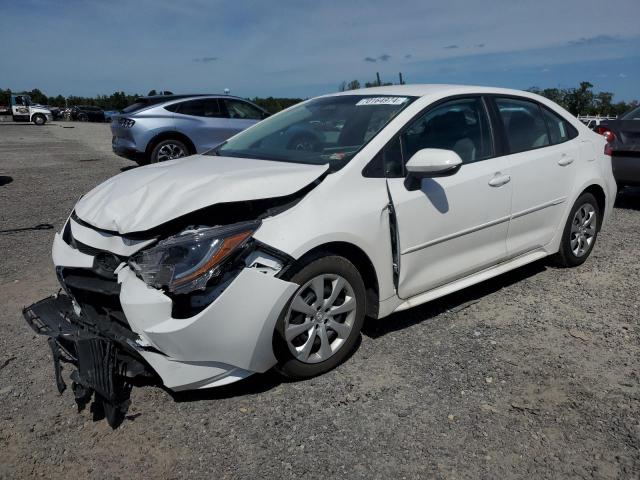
[271,250]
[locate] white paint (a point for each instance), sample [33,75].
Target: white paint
[146,197]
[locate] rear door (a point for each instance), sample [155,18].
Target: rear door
[204,121]
[456,225]
[542,157]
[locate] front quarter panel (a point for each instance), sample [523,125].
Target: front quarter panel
[349,209]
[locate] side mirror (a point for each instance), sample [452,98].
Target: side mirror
[431,162]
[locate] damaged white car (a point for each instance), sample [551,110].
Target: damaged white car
[270,250]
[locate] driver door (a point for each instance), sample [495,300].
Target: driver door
[456,225]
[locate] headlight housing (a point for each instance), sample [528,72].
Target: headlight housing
[187,261]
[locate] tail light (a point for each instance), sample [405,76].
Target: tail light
[608,134]
[608,150]
[126,122]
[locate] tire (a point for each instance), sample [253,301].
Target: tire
[168,150]
[83,117]
[580,232]
[39,119]
[334,271]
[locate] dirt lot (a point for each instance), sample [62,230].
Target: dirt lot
[532,375]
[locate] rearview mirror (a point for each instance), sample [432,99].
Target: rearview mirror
[431,162]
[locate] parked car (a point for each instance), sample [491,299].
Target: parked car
[623,135]
[160,128]
[270,250]
[56,112]
[85,113]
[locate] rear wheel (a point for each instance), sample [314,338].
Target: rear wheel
[168,150]
[321,324]
[39,119]
[580,232]
[83,117]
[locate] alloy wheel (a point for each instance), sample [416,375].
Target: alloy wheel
[170,151]
[320,318]
[583,229]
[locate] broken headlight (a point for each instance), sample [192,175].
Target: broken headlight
[187,261]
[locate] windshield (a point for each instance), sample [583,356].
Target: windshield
[329,130]
[632,115]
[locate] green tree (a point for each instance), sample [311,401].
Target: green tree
[580,100]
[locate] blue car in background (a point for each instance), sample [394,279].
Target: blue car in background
[165,127]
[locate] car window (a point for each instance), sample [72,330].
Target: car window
[211,108]
[206,107]
[243,110]
[523,123]
[172,108]
[559,129]
[632,115]
[134,107]
[194,108]
[459,125]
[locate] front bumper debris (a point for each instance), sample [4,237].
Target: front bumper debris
[107,363]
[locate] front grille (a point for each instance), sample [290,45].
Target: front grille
[98,297]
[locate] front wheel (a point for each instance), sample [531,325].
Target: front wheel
[321,324]
[580,232]
[39,119]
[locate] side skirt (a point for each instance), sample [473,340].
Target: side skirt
[472,279]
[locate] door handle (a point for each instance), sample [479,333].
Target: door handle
[499,180]
[565,160]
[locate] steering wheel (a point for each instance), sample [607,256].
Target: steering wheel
[306,142]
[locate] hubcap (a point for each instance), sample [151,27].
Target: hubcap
[320,318]
[170,151]
[583,230]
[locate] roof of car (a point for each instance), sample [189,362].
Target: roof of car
[428,89]
[167,98]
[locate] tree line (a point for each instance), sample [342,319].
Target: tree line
[583,100]
[119,100]
[580,100]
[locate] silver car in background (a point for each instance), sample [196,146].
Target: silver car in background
[159,128]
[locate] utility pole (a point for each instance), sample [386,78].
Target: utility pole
[401,79]
[378,77]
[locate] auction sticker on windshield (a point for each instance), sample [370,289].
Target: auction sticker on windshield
[382,101]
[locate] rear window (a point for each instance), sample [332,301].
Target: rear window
[559,129]
[134,107]
[632,115]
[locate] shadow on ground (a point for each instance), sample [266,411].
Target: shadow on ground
[454,302]
[4,179]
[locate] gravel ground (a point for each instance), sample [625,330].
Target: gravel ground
[531,375]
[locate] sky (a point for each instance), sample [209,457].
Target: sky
[302,48]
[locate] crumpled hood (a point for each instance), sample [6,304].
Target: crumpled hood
[145,197]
